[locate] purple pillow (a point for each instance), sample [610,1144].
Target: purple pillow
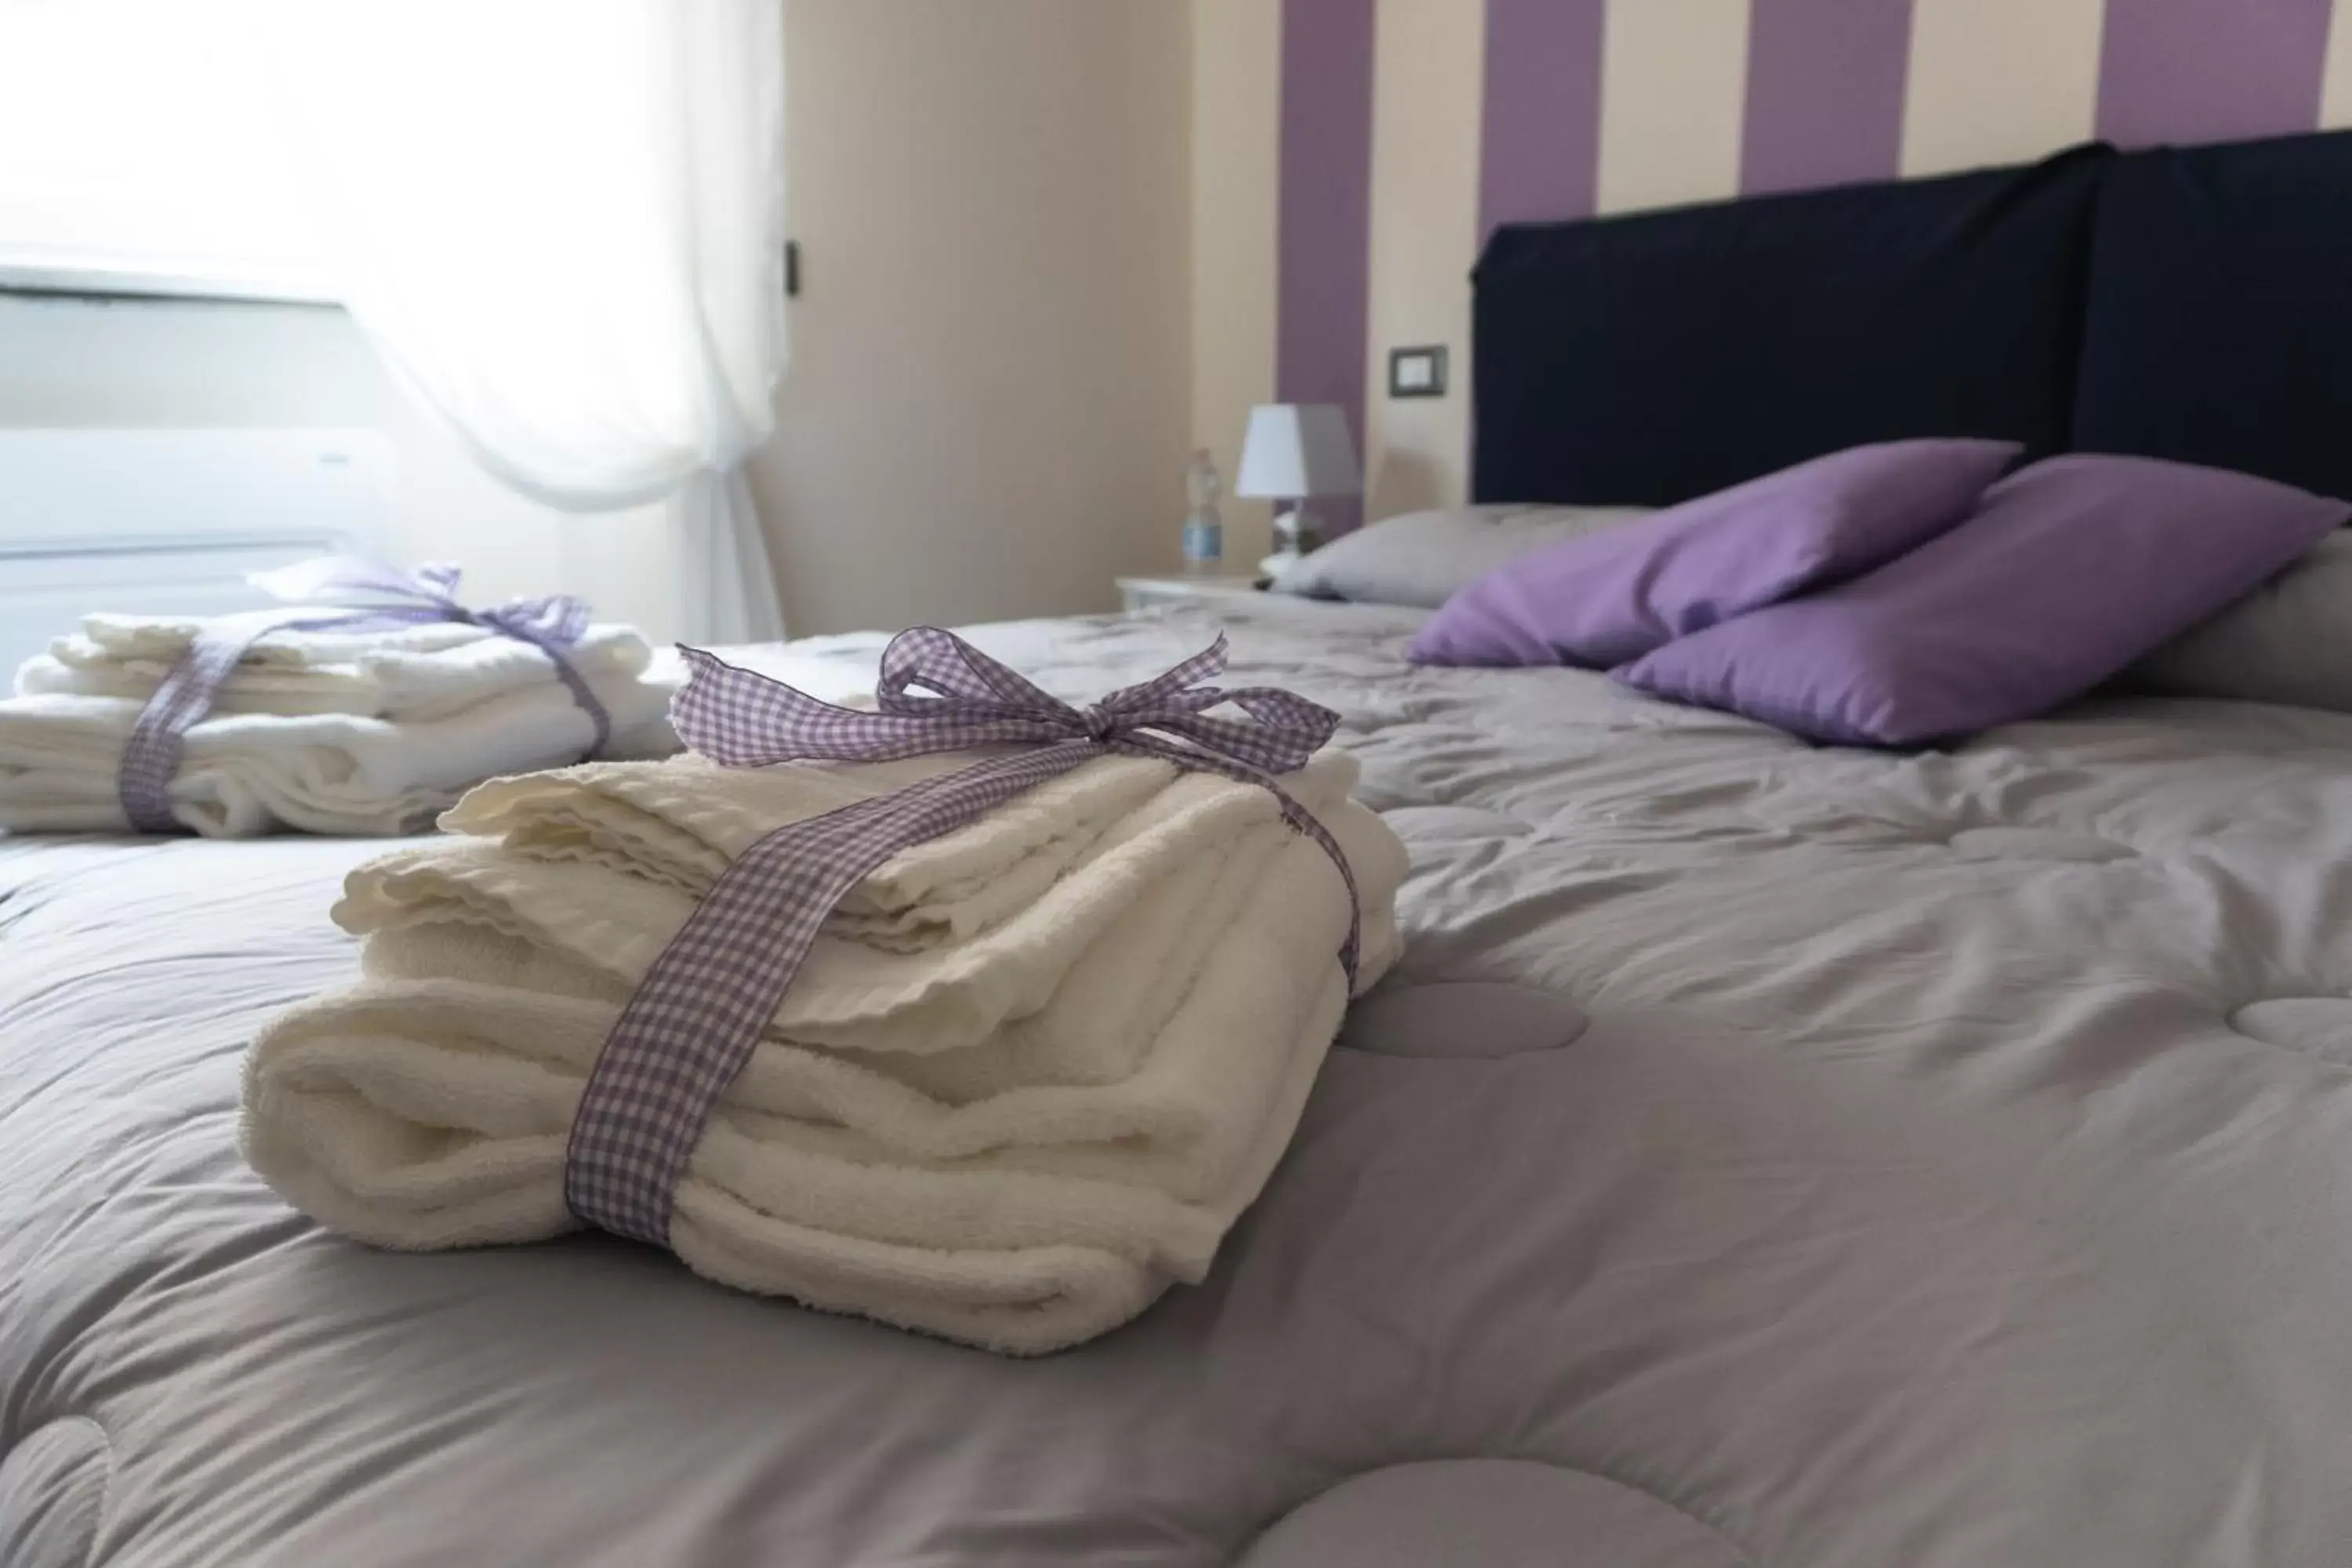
[1606,597]
[2069,571]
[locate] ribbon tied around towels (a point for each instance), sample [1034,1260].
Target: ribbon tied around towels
[696,1017]
[375,597]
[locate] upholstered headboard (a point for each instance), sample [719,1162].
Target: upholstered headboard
[2190,303]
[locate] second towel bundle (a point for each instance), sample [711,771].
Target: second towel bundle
[335,731]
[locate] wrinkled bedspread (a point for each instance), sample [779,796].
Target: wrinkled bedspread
[1763,1155]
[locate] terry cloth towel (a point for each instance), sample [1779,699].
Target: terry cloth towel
[919,997]
[243,774]
[429,1106]
[426,671]
[1079,1068]
[682,822]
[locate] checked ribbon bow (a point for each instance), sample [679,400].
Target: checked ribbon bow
[694,1018]
[371,596]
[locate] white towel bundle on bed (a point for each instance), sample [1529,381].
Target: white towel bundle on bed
[1011,1122]
[339,732]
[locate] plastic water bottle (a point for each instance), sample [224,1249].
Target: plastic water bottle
[1204,530]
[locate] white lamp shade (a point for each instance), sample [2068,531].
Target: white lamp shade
[1298,449]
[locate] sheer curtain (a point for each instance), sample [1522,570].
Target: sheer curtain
[561,223]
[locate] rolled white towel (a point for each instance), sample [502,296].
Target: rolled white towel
[429,671]
[244,774]
[428,1111]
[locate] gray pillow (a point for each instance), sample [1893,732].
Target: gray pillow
[1420,558]
[2288,641]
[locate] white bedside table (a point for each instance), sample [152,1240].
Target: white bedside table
[1141,592]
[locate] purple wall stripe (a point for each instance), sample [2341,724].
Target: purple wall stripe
[1825,80]
[1540,139]
[1323,291]
[2202,70]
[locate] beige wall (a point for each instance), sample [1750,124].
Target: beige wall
[2044,54]
[1430,63]
[988,407]
[1670,131]
[1236,68]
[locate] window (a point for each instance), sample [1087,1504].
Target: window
[138,152]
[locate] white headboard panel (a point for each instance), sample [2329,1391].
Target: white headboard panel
[172,520]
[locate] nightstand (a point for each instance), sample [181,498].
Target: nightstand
[1142,592]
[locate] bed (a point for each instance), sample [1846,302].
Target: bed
[1763,1154]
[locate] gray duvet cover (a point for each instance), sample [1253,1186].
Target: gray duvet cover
[1764,1155]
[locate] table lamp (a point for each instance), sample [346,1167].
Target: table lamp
[1295,452]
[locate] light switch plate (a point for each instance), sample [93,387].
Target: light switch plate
[1417,372]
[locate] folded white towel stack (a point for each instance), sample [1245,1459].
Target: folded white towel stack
[1028,1077]
[364,732]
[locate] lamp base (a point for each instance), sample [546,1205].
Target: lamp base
[1297,530]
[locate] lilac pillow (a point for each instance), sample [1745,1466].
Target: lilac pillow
[2069,571]
[1606,597]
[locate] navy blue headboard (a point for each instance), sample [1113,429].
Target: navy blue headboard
[2219,327]
[2193,304]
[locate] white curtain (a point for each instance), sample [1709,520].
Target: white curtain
[562,224]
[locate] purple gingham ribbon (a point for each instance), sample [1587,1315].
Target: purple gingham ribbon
[696,1017]
[381,599]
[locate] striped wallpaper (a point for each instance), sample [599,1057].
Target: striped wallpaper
[1401,131]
